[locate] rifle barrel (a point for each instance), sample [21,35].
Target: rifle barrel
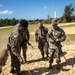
[30,44]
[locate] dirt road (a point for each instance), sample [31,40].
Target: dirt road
[37,66]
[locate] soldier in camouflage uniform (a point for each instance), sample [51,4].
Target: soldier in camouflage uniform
[14,43]
[40,36]
[24,44]
[56,35]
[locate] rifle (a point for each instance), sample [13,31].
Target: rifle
[57,43]
[26,41]
[63,55]
[30,44]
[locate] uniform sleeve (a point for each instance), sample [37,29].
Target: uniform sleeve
[15,48]
[49,34]
[36,36]
[27,35]
[46,30]
[63,36]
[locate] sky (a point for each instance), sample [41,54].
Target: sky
[33,9]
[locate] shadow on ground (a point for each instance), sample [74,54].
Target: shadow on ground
[46,71]
[45,59]
[37,60]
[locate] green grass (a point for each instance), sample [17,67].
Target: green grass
[73,25]
[70,38]
[4,33]
[32,28]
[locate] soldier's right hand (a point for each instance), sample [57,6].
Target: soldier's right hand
[51,40]
[21,61]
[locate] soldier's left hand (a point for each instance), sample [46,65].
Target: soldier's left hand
[57,40]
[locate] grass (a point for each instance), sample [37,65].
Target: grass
[4,33]
[70,38]
[73,25]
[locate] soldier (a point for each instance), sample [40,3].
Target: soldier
[24,44]
[56,35]
[14,43]
[40,36]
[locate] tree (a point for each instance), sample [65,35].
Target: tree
[48,16]
[13,21]
[1,22]
[68,12]
[73,18]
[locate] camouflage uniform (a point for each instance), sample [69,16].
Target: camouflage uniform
[56,46]
[13,45]
[40,35]
[24,43]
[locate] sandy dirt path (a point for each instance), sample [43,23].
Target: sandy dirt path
[37,66]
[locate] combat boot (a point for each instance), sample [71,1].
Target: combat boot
[0,69]
[25,61]
[58,66]
[43,57]
[50,66]
[18,70]
[47,56]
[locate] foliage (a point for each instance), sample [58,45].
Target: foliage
[66,17]
[68,12]
[73,18]
[5,22]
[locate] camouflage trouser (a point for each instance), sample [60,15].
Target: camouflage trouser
[43,46]
[24,49]
[0,69]
[15,63]
[52,53]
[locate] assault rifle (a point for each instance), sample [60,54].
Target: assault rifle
[30,44]
[57,43]
[26,41]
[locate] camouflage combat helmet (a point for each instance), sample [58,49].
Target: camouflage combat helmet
[54,21]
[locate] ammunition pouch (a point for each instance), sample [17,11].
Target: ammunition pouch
[41,39]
